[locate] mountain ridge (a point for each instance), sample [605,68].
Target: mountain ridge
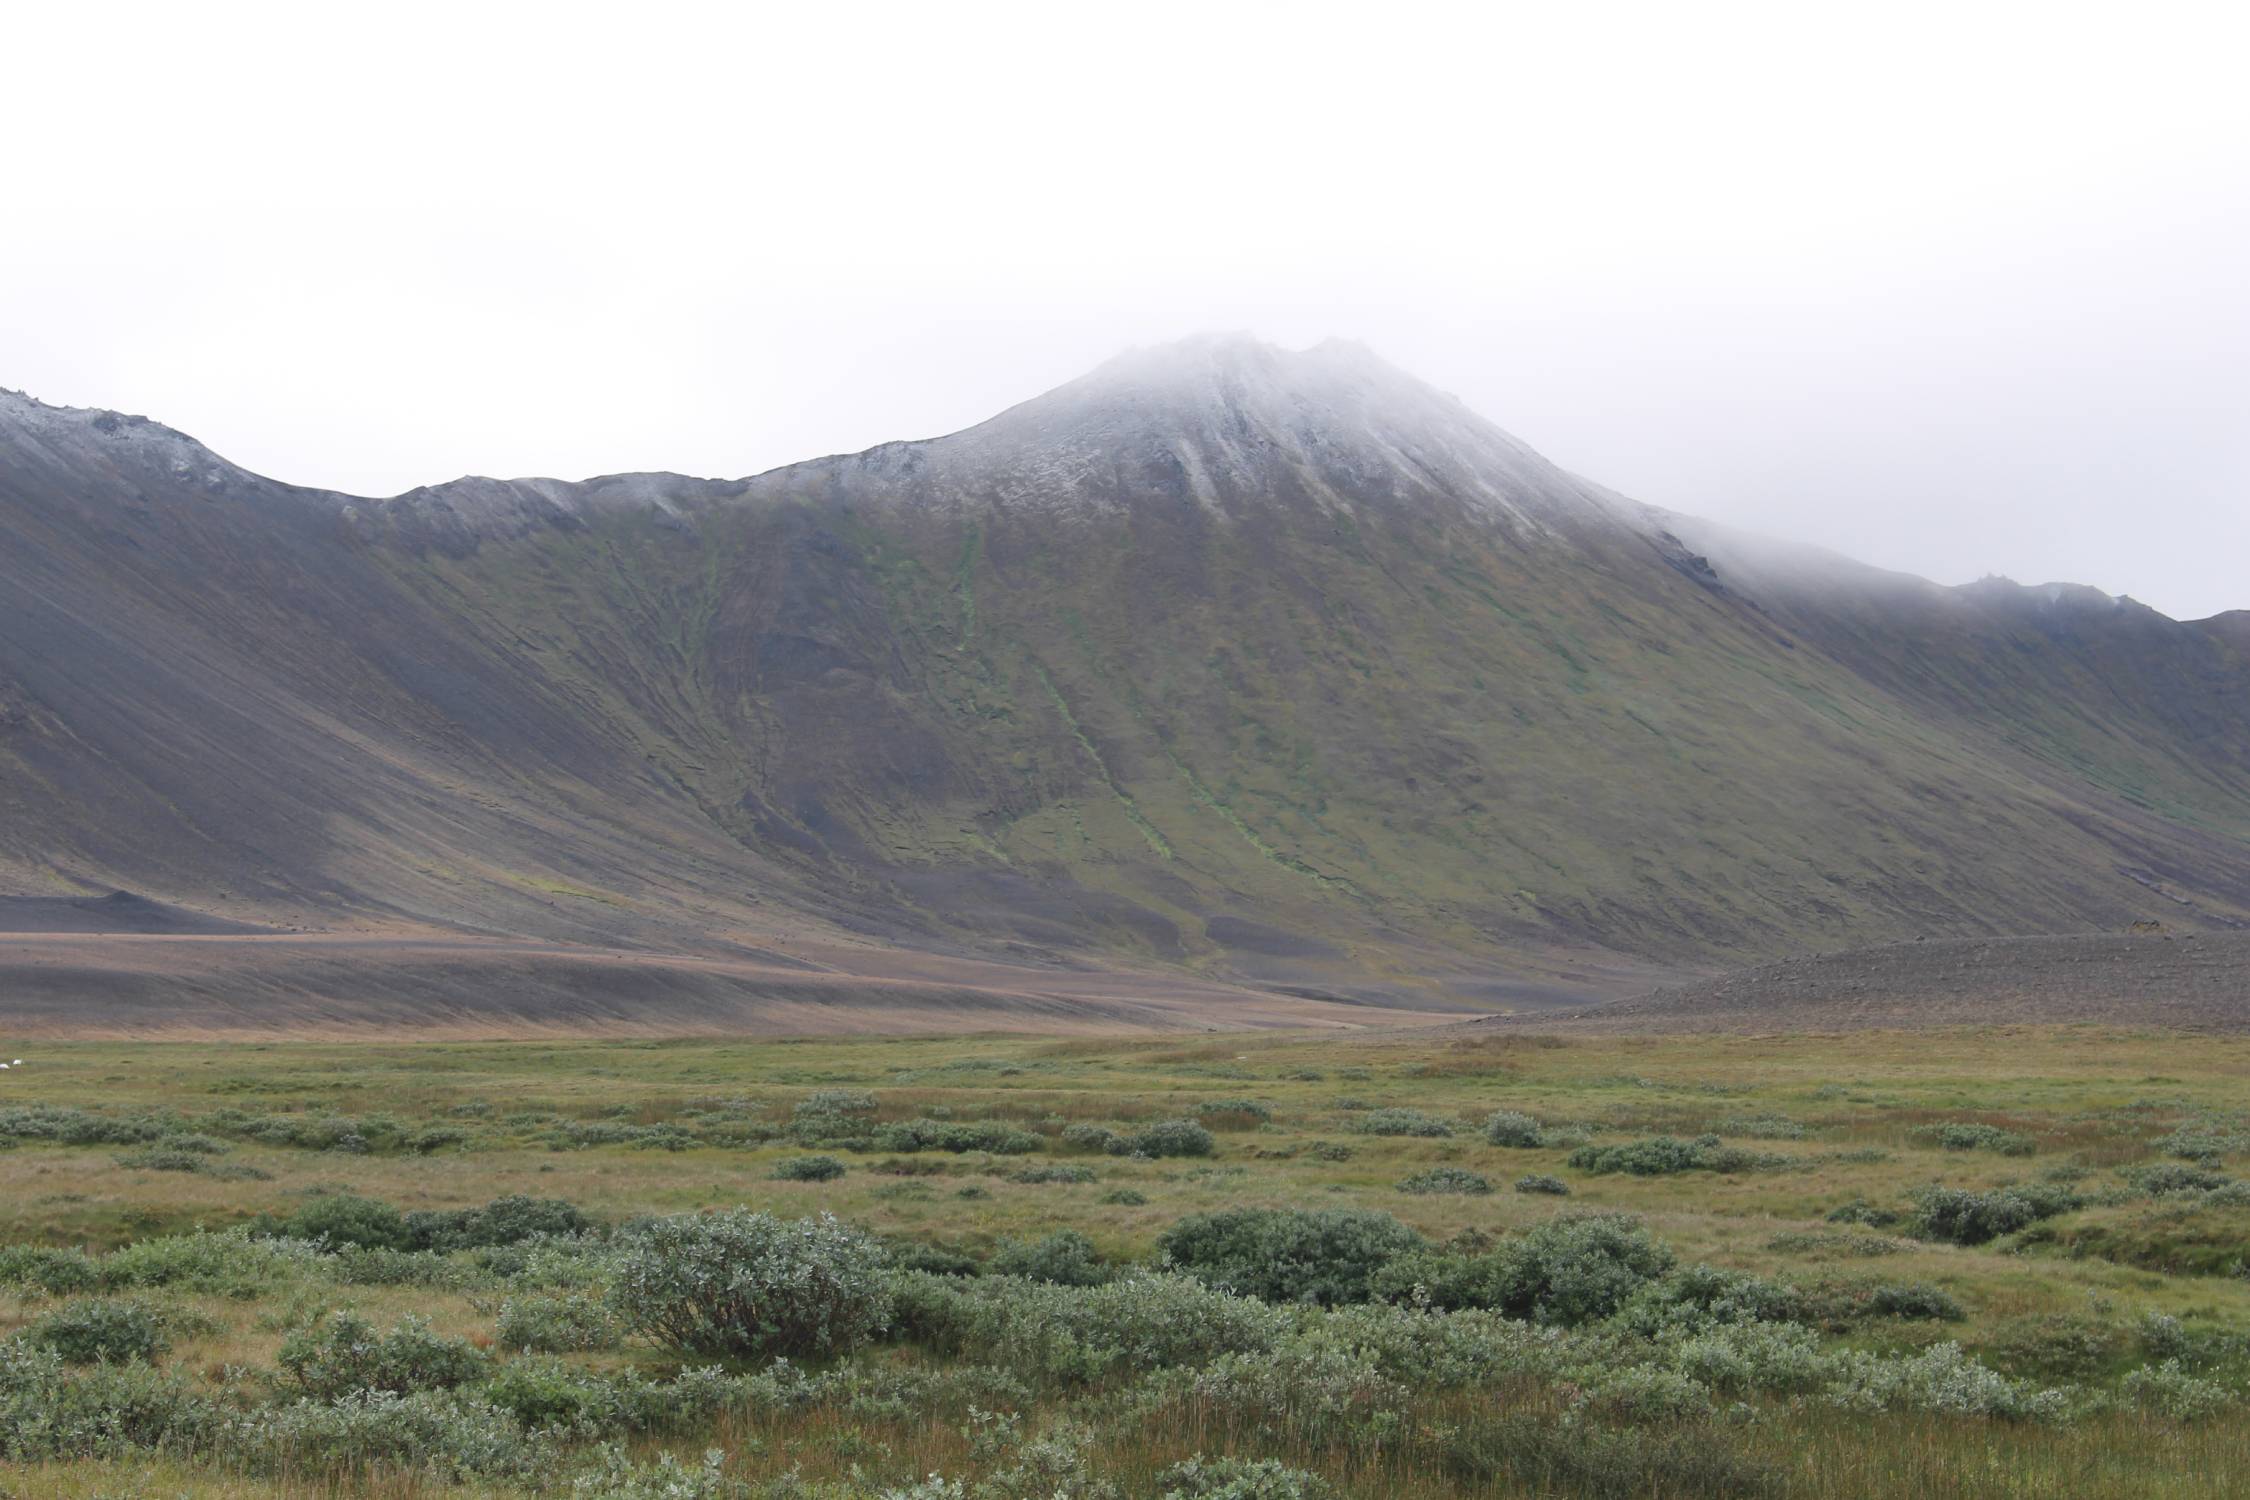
[1282,667]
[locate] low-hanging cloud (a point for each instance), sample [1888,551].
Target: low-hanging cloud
[1957,292]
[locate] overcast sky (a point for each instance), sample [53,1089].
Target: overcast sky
[1955,288]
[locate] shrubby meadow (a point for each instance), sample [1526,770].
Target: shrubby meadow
[1250,1267]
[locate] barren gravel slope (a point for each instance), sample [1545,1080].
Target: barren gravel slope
[2187,981]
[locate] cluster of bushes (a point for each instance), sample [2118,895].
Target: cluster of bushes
[2206,1140]
[2171,1177]
[746,1285]
[834,1104]
[98,1330]
[955,1136]
[1164,1138]
[1508,1127]
[231,1264]
[65,1126]
[1660,1155]
[1052,1172]
[1321,1256]
[1959,1216]
[1446,1180]
[343,1220]
[1971,1136]
[1078,1335]
[344,1354]
[1401,1122]
[1319,1326]
[539,1324]
[1568,1271]
[1064,1258]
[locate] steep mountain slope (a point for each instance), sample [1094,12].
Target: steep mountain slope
[1281,665]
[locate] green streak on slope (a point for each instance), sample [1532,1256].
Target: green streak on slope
[965,580]
[1293,865]
[1124,799]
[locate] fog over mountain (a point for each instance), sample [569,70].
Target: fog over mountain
[1284,668]
[1958,292]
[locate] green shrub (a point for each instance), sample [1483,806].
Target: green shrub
[2205,1141]
[2176,1177]
[1064,1258]
[1972,1136]
[1125,1197]
[1648,1393]
[1324,1256]
[355,1266]
[1860,1211]
[1943,1380]
[555,1325]
[1138,1322]
[1576,1269]
[1701,1297]
[748,1285]
[1058,1172]
[1201,1478]
[1752,1357]
[98,1330]
[1913,1300]
[1961,1217]
[48,1411]
[834,1103]
[1841,1304]
[2055,1347]
[554,1394]
[1401,1122]
[1507,1127]
[66,1126]
[344,1354]
[230,1263]
[1460,1349]
[346,1219]
[1168,1138]
[1446,1180]
[1308,1391]
[541,1391]
[1660,1155]
[58,1271]
[808,1169]
[1538,1183]
[443,1433]
[615,1476]
[1091,1138]
[947,1135]
[504,1221]
[2167,1390]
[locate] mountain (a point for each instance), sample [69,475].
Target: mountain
[1281,667]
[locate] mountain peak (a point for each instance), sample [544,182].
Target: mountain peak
[1230,424]
[1234,364]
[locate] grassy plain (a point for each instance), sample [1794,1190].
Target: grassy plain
[2076,1301]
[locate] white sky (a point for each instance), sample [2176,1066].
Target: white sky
[1954,288]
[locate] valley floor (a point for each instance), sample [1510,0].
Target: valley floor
[1989,1262]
